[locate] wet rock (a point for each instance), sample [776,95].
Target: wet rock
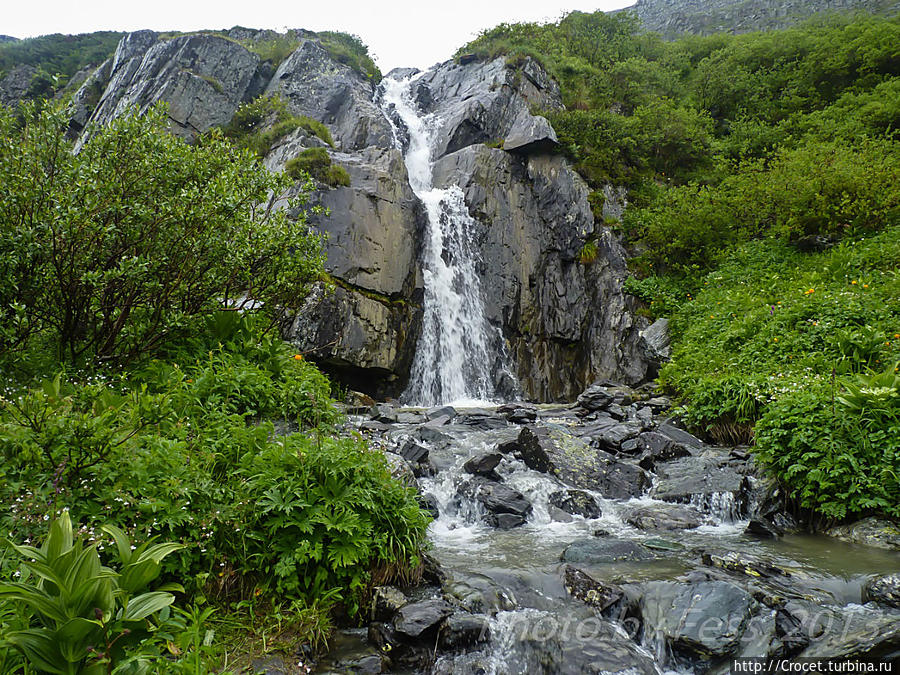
[484,465]
[509,447]
[616,412]
[679,435]
[508,508]
[595,398]
[462,631]
[685,478]
[520,415]
[531,134]
[412,620]
[883,590]
[413,452]
[656,544]
[576,463]
[576,502]
[658,404]
[742,563]
[384,412]
[429,503]
[483,421]
[858,636]
[584,587]
[876,532]
[557,515]
[480,594]
[655,341]
[408,417]
[644,417]
[664,517]
[350,653]
[386,602]
[400,469]
[653,448]
[447,411]
[758,527]
[436,422]
[271,665]
[605,550]
[704,620]
[613,436]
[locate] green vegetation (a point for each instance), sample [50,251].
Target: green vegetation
[764,188]
[258,125]
[351,51]
[317,163]
[147,395]
[57,55]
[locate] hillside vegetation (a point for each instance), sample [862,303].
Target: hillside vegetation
[764,183]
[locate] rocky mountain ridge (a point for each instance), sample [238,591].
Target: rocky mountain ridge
[672,18]
[565,321]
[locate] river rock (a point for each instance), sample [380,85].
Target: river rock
[576,463]
[698,477]
[704,620]
[413,620]
[605,550]
[584,587]
[664,517]
[414,453]
[462,631]
[484,465]
[884,590]
[445,412]
[858,636]
[757,527]
[507,508]
[611,437]
[876,532]
[576,503]
[595,398]
[742,563]
[401,469]
[654,447]
[386,602]
[655,341]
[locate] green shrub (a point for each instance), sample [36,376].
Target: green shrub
[351,51]
[258,125]
[316,162]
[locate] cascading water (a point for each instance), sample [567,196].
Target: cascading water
[458,351]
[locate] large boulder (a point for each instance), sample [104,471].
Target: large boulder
[316,85]
[575,462]
[203,78]
[876,532]
[605,550]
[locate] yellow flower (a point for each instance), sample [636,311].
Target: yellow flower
[298,357]
[865,285]
[853,283]
[776,339]
[810,291]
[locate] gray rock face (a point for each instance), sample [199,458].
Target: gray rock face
[884,590]
[204,78]
[413,620]
[605,550]
[668,517]
[15,84]
[871,532]
[566,323]
[317,86]
[576,503]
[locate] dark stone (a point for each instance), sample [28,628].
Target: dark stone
[883,590]
[412,620]
[483,465]
[509,447]
[595,398]
[597,594]
[664,517]
[429,503]
[655,447]
[447,411]
[557,515]
[386,602]
[462,631]
[742,563]
[765,530]
[678,435]
[612,437]
[576,502]
[384,413]
[704,620]
[413,452]
[877,532]
[483,421]
[605,550]
[521,416]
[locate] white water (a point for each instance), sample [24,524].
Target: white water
[458,351]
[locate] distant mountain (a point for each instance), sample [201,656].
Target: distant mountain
[676,17]
[8,38]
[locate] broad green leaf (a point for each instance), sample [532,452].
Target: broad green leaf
[144,605]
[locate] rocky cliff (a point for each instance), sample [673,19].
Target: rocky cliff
[562,315]
[676,17]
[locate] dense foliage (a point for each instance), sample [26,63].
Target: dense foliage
[109,257]
[147,394]
[261,123]
[764,186]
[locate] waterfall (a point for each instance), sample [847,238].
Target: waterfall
[458,352]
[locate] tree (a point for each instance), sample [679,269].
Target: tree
[113,250]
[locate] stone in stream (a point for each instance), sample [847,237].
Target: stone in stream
[605,550]
[703,620]
[758,527]
[412,620]
[742,563]
[447,411]
[657,544]
[699,478]
[413,452]
[386,602]
[584,587]
[576,503]
[384,413]
[664,517]
[463,630]
[557,515]
[869,636]
[612,437]
[883,590]
[400,469]
[429,503]
[574,462]
[483,420]
[653,447]
[595,398]
[507,508]
[877,532]
[484,465]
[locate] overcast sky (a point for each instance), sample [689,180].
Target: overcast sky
[405,33]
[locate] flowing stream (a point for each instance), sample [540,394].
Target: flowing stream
[458,351]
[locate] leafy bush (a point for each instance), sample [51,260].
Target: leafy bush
[112,256]
[62,55]
[351,51]
[316,162]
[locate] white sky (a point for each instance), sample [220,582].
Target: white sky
[404,33]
